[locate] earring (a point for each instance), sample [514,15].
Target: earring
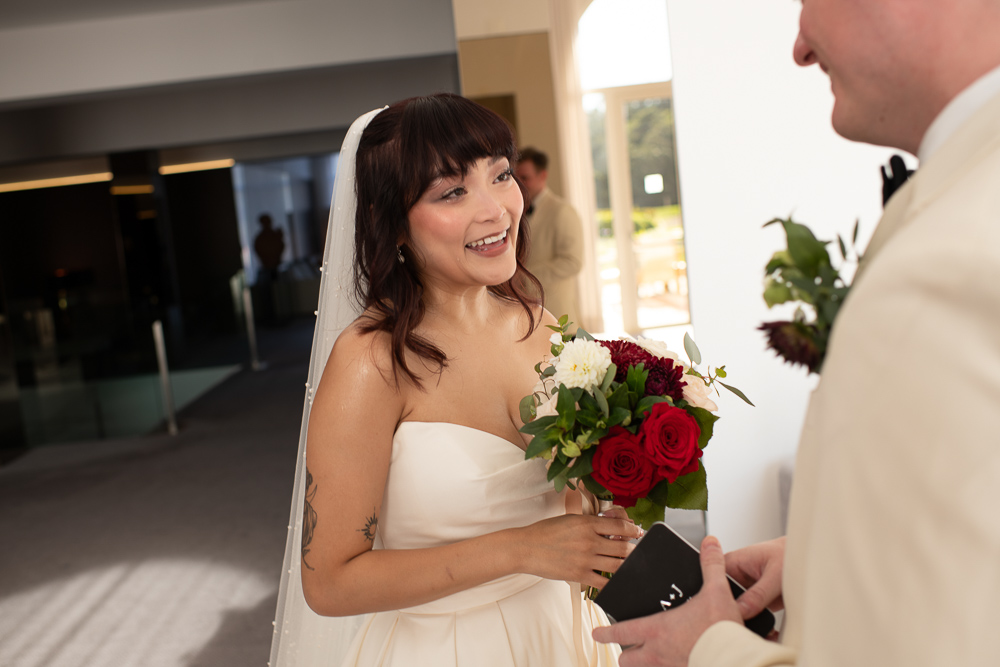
[399,255]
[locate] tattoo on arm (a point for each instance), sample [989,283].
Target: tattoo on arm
[371,525]
[309,518]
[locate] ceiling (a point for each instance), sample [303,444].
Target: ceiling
[20,14]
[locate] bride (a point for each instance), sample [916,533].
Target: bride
[418,506]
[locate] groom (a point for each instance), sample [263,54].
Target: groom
[893,554]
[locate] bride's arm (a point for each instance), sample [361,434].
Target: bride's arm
[354,414]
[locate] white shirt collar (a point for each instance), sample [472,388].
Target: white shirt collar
[962,107]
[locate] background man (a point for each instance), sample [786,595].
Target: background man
[556,237]
[893,539]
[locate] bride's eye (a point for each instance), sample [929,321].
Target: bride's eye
[454,192]
[505,175]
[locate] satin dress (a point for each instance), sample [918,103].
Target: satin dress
[447,483]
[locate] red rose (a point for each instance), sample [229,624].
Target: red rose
[622,467]
[670,438]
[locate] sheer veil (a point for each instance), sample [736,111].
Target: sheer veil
[301,637]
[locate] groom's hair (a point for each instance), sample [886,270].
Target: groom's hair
[404,149]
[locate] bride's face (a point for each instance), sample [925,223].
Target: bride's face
[463,230]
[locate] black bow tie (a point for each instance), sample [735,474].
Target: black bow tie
[891,183]
[531,209]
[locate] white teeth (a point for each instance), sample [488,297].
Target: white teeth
[489,239]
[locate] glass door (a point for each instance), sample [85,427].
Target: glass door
[640,245]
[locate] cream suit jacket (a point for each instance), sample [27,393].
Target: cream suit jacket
[893,552]
[556,255]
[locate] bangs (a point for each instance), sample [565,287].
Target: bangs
[445,135]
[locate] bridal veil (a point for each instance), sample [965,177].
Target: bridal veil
[302,638]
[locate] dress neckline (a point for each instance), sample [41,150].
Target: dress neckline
[469,428]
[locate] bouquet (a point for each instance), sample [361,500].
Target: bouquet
[803,274]
[626,419]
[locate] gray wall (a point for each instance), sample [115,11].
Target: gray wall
[308,101]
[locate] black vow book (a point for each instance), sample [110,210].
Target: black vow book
[662,572]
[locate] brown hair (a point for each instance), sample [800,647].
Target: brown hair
[403,150]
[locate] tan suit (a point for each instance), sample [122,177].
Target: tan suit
[893,554]
[556,253]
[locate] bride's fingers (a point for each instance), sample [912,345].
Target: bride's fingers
[609,527]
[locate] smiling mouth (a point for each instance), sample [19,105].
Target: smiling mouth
[488,242]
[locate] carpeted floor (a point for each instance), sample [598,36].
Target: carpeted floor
[157,551]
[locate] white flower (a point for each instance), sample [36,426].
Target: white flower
[582,363]
[657,348]
[556,339]
[697,394]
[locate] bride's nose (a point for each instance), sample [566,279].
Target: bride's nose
[490,207]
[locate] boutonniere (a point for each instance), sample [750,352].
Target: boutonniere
[803,274]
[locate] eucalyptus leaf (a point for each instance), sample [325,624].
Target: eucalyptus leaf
[609,377]
[581,333]
[602,403]
[738,393]
[693,353]
[527,408]
[843,248]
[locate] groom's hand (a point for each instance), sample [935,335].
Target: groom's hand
[666,639]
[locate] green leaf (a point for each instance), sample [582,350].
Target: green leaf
[646,404]
[594,487]
[854,235]
[635,379]
[645,513]
[580,333]
[549,372]
[779,260]
[720,372]
[843,248]
[689,492]
[527,408]
[538,447]
[566,406]
[536,426]
[609,377]
[619,398]
[583,466]
[558,465]
[554,328]
[602,403]
[571,449]
[807,252]
[706,422]
[563,320]
[619,416]
[693,353]
[738,393]
[776,292]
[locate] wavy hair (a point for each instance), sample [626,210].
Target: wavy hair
[404,149]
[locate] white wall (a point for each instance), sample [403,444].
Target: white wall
[754,142]
[232,40]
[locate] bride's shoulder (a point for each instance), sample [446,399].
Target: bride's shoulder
[363,354]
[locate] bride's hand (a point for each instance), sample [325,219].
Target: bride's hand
[575,548]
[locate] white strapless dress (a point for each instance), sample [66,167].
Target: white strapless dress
[447,483]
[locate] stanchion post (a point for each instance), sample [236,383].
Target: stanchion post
[165,389]
[251,329]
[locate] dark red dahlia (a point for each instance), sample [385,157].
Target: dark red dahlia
[665,378]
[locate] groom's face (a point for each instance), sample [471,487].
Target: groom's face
[862,45]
